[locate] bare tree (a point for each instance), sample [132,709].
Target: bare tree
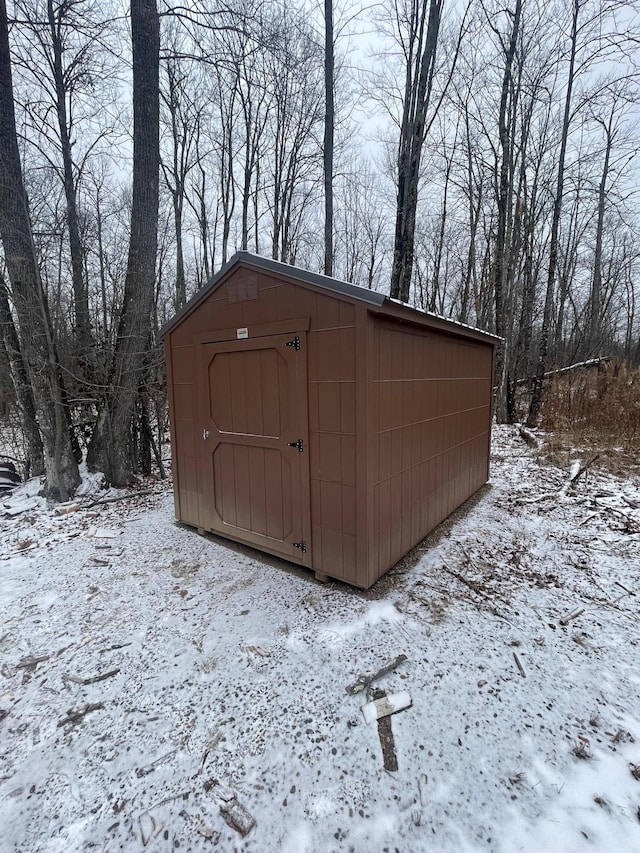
[110,446]
[329,120]
[22,387]
[536,393]
[38,346]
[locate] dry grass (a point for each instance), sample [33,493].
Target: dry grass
[596,409]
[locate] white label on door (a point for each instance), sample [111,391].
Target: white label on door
[242,333]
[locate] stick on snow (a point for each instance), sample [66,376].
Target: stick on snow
[365,680]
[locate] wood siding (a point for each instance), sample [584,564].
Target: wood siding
[430,420]
[254,301]
[394,407]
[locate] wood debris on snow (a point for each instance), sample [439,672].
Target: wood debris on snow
[102,533]
[208,832]
[519,665]
[422,789]
[237,816]
[66,509]
[94,679]
[385,706]
[147,827]
[76,716]
[148,768]
[385,735]
[574,615]
[31,663]
[366,680]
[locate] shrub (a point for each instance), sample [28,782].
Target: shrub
[596,406]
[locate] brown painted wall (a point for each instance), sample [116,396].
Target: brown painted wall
[398,415]
[430,418]
[331,359]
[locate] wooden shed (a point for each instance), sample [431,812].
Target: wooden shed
[322,422]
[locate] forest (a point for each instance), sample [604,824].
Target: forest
[474,159]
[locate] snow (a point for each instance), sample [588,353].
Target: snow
[224,673]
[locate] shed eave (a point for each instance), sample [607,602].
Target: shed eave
[400,311]
[374,300]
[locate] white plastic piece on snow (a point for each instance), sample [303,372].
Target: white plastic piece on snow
[390,704]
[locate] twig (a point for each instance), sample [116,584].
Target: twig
[31,663]
[114,647]
[93,679]
[520,667]
[142,771]
[366,680]
[117,498]
[481,593]
[566,619]
[622,586]
[75,716]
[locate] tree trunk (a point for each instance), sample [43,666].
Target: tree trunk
[595,300]
[80,291]
[418,86]
[110,447]
[22,388]
[505,191]
[329,116]
[536,391]
[38,348]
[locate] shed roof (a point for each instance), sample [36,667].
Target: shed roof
[376,300]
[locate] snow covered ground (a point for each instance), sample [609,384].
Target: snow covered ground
[206,679]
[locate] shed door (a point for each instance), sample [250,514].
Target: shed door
[254,443]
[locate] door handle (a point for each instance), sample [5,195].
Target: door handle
[205,434]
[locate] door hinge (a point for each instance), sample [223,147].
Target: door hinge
[301,546]
[295,343]
[299,444]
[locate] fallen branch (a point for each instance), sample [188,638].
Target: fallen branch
[580,365]
[94,678]
[528,437]
[117,498]
[366,680]
[76,716]
[520,667]
[143,771]
[582,470]
[385,734]
[31,662]
[566,619]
